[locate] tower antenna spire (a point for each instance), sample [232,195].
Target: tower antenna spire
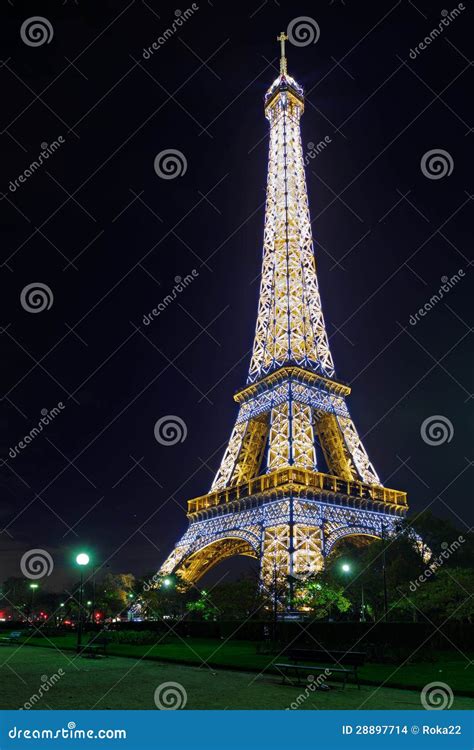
[282,39]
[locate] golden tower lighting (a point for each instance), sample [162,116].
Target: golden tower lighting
[269,499]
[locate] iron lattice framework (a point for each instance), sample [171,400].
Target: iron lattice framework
[269,500]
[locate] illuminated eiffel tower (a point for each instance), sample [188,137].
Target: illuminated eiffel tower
[268,499]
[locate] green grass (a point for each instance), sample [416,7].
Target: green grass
[449,667]
[124,683]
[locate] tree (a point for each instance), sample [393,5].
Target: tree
[204,607]
[403,561]
[16,596]
[449,593]
[165,598]
[320,597]
[437,533]
[238,600]
[114,595]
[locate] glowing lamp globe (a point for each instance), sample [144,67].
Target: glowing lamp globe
[82,559]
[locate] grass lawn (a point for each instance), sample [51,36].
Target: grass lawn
[117,682]
[449,667]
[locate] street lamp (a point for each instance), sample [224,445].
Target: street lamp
[33,587]
[384,574]
[82,559]
[346,568]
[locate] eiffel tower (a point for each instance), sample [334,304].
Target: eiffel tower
[269,500]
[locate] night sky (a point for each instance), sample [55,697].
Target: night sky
[109,236]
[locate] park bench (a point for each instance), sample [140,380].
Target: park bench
[96,646]
[15,635]
[345,663]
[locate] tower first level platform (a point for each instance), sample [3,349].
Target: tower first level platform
[290,520]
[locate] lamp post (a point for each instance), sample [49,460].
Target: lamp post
[346,568]
[384,565]
[93,594]
[33,587]
[82,559]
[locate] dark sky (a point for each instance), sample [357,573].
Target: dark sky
[108,236]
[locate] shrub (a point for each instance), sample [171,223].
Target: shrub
[135,637]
